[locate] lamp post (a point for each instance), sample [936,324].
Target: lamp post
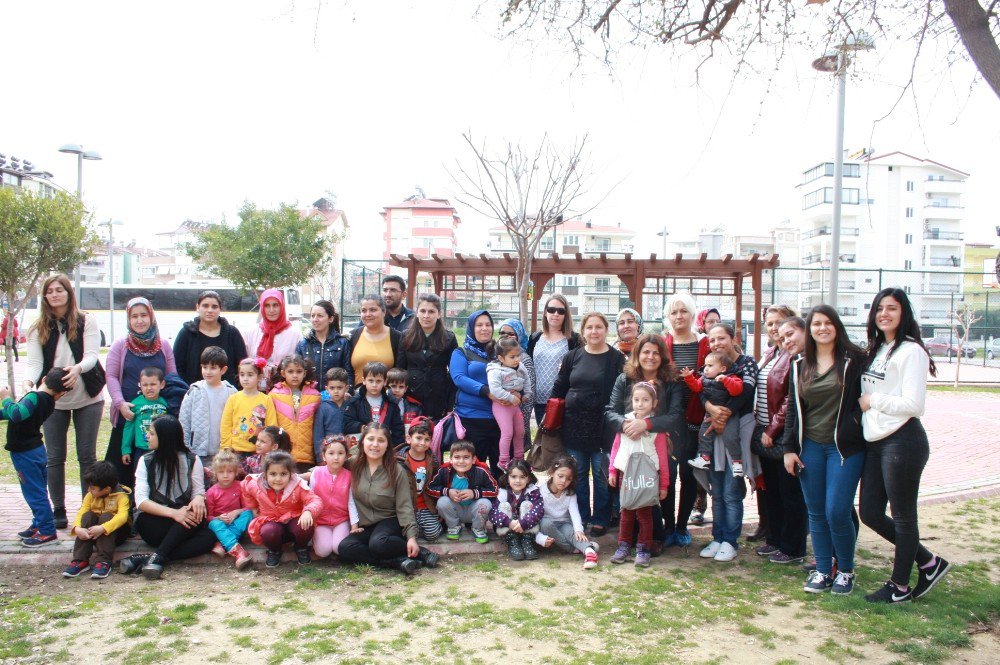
[111,275]
[81,154]
[663,296]
[835,62]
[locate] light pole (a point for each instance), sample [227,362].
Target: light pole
[111,276]
[81,154]
[836,62]
[663,296]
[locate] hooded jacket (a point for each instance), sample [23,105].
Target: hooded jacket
[358,413]
[196,416]
[334,351]
[468,371]
[481,483]
[116,503]
[190,342]
[297,422]
[270,506]
[427,375]
[528,520]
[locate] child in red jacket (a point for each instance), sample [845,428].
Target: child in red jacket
[719,388]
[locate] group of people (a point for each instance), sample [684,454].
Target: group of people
[326,441]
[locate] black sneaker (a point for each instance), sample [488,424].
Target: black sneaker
[303,555]
[59,515]
[926,579]
[817,583]
[890,594]
[132,564]
[273,559]
[154,567]
[843,584]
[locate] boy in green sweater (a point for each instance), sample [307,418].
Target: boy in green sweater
[146,406]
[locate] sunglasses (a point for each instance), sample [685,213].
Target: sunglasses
[555,310]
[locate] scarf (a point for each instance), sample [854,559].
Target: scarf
[518,327]
[271,328]
[470,343]
[626,347]
[699,322]
[145,344]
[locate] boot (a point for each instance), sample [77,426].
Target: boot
[528,545]
[402,563]
[132,564]
[428,558]
[514,549]
[243,558]
[154,567]
[59,515]
[762,523]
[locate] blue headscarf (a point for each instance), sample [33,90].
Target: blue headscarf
[470,343]
[518,327]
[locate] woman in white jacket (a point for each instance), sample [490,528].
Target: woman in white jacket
[893,388]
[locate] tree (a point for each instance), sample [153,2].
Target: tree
[744,27]
[529,190]
[41,235]
[962,319]
[268,248]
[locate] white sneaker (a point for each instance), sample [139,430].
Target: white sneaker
[737,469]
[700,462]
[726,553]
[710,550]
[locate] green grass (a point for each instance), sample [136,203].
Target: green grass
[8,476]
[937,387]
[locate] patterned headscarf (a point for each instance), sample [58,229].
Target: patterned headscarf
[518,328]
[699,323]
[470,343]
[271,328]
[144,344]
[626,347]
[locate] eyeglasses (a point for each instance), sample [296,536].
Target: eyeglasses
[555,310]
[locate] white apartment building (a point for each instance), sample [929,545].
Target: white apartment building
[901,225]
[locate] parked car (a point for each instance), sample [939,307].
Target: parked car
[943,346]
[993,349]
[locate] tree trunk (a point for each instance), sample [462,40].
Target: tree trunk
[524,269]
[973,27]
[958,364]
[9,355]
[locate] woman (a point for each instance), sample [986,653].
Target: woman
[473,401]
[685,350]
[781,503]
[548,347]
[170,502]
[727,489]
[893,388]
[648,362]
[425,352]
[207,329]
[629,326]
[64,336]
[707,318]
[373,340]
[586,377]
[514,328]
[824,445]
[273,338]
[324,346]
[128,356]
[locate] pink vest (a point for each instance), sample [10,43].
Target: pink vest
[333,491]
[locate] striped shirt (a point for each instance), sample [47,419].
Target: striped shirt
[686,355]
[760,408]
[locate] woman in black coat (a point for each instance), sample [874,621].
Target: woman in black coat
[424,351]
[205,330]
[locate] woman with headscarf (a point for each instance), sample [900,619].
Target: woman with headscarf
[706,319]
[274,337]
[629,325]
[514,328]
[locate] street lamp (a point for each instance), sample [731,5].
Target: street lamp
[81,154]
[111,275]
[836,62]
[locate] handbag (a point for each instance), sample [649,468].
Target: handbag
[640,483]
[448,430]
[94,380]
[758,448]
[555,409]
[546,447]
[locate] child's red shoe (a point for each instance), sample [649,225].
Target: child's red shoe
[243,558]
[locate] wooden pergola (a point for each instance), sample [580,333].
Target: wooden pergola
[633,272]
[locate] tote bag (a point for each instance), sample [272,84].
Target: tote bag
[640,484]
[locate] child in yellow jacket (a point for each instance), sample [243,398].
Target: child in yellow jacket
[101,523]
[247,412]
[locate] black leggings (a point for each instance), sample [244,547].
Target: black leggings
[892,476]
[172,540]
[378,542]
[685,475]
[785,508]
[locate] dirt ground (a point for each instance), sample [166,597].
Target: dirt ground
[483,610]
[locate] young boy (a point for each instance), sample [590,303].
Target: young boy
[420,464]
[330,416]
[201,410]
[27,452]
[374,403]
[464,490]
[410,407]
[146,406]
[99,522]
[719,388]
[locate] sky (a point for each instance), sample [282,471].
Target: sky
[197,107]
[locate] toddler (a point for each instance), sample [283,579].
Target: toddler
[420,463]
[203,406]
[146,406]
[99,522]
[508,380]
[517,510]
[227,518]
[295,405]
[373,404]
[561,524]
[269,439]
[330,416]
[248,411]
[410,407]
[332,484]
[719,388]
[464,490]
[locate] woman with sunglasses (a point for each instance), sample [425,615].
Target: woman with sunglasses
[548,347]
[208,328]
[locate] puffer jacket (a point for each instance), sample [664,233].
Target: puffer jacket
[196,418]
[270,506]
[297,422]
[334,351]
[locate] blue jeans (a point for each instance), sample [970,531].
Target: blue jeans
[592,463]
[31,473]
[229,534]
[829,486]
[727,505]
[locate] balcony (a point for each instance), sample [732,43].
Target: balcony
[949,261]
[827,230]
[938,211]
[938,234]
[933,313]
[944,288]
[816,285]
[940,185]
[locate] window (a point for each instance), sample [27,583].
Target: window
[909,185]
[569,280]
[826,170]
[907,265]
[909,212]
[571,240]
[602,284]
[548,244]
[602,244]
[825,195]
[909,238]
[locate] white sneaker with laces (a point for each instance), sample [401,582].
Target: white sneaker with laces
[700,462]
[710,550]
[737,469]
[726,553]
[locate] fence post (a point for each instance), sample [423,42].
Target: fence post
[343,282]
[986,320]
[879,279]
[774,300]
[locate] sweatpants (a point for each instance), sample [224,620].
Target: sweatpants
[229,534]
[429,524]
[327,539]
[31,467]
[508,510]
[275,534]
[455,514]
[562,533]
[730,439]
[511,422]
[378,542]
[86,422]
[104,545]
[174,541]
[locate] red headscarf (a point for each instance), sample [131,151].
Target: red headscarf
[271,328]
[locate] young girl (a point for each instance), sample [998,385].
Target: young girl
[517,510]
[509,381]
[296,402]
[226,517]
[561,524]
[268,440]
[283,506]
[332,484]
[248,411]
[654,445]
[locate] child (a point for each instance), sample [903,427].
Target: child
[420,464]
[410,407]
[203,406]
[269,439]
[719,388]
[508,380]
[248,411]
[654,445]
[464,490]
[296,403]
[99,522]
[517,511]
[374,404]
[283,506]
[332,484]
[146,406]
[561,524]
[27,452]
[226,516]
[330,416]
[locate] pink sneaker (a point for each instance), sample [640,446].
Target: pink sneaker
[590,559]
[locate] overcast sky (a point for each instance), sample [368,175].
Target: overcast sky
[198,106]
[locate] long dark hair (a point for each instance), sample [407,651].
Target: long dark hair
[359,463]
[170,444]
[908,329]
[47,320]
[414,338]
[843,347]
[666,372]
[331,311]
